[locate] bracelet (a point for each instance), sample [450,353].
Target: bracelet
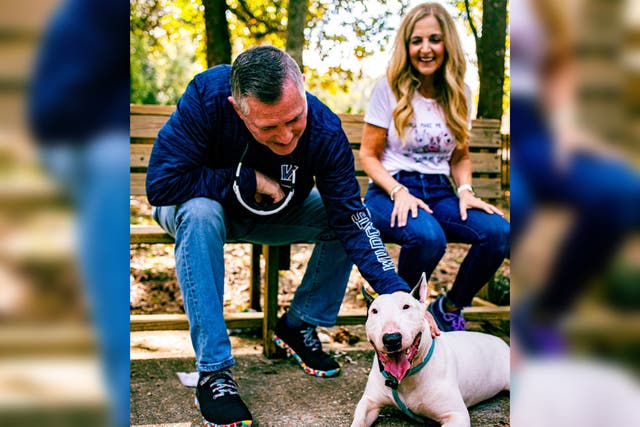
[397,188]
[465,187]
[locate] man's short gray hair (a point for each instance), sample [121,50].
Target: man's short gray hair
[261,73]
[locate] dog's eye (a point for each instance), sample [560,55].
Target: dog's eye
[374,311]
[406,307]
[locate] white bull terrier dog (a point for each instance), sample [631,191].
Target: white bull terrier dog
[429,377]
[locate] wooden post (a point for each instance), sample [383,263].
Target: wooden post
[255,291]
[270,303]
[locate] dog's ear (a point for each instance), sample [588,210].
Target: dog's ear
[419,292]
[368,298]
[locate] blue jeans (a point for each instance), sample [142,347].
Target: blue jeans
[95,173]
[604,195]
[201,228]
[424,239]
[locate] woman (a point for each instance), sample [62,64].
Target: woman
[555,159]
[416,135]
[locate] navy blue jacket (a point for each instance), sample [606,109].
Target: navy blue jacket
[80,84]
[197,151]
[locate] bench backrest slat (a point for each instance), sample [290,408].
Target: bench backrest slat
[482,162]
[485,144]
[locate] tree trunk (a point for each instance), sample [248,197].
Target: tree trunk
[491,53]
[297,14]
[217,28]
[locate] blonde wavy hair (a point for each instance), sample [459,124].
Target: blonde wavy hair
[448,80]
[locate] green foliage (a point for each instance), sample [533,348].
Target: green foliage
[470,12]
[252,23]
[143,82]
[341,90]
[168,43]
[475,9]
[500,288]
[367,25]
[167,48]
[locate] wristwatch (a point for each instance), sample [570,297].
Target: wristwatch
[465,187]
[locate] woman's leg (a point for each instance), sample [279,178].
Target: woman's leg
[488,235]
[422,240]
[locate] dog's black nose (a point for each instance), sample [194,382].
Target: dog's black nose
[393,341]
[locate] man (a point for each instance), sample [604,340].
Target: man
[238,160]
[78,112]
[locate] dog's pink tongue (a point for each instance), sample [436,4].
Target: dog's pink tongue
[398,365]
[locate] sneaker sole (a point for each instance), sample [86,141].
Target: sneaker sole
[290,353]
[244,423]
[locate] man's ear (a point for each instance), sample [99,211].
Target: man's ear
[419,292]
[235,106]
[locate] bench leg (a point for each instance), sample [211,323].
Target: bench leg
[254,295]
[270,304]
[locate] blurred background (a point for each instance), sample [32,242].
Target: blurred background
[63,212]
[583,98]
[575,211]
[48,363]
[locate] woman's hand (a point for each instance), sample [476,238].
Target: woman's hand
[404,203]
[433,326]
[469,201]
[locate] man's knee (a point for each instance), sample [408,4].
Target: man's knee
[201,213]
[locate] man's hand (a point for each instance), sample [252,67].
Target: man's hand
[433,326]
[266,186]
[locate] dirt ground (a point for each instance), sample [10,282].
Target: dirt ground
[277,391]
[155,289]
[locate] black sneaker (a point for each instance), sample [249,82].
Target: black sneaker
[303,345]
[219,402]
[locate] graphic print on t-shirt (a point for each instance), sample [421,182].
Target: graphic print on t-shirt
[429,142]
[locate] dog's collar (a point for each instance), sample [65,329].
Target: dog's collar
[393,383]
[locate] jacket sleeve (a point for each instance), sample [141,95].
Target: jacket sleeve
[177,171]
[349,218]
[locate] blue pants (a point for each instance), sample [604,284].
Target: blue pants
[95,172]
[424,239]
[201,229]
[604,194]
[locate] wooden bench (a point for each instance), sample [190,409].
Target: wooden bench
[146,121]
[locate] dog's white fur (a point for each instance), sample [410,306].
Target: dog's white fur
[465,368]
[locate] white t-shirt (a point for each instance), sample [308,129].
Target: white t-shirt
[429,142]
